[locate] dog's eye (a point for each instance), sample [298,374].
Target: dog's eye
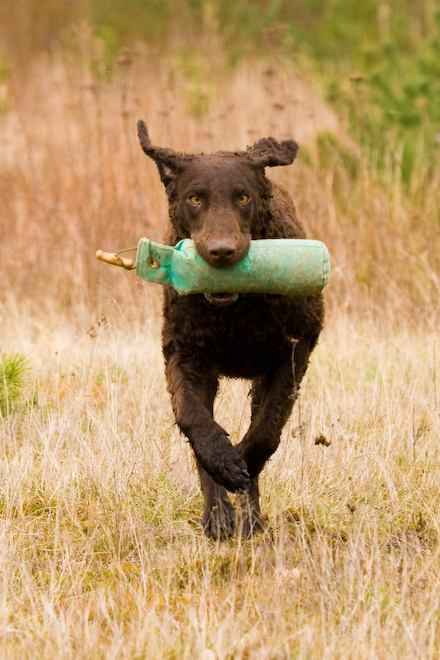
[195,200]
[243,199]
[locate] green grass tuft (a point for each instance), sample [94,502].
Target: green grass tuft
[14,372]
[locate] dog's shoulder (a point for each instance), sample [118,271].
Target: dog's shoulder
[283,220]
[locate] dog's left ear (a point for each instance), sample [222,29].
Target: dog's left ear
[168,161]
[270,153]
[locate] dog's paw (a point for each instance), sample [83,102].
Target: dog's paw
[233,475]
[224,464]
[219,521]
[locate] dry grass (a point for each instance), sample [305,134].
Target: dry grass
[73,177]
[102,552]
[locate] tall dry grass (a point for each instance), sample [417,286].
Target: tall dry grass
[73,177]
[102,552]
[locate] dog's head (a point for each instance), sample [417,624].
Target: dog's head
[219,200]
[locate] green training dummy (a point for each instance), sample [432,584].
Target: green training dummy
[294,267]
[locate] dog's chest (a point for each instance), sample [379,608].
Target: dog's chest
[241,340]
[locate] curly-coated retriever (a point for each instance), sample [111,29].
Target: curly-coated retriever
[222,201]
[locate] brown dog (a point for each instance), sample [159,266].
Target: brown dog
[223,201]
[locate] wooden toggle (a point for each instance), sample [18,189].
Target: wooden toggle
[116,260]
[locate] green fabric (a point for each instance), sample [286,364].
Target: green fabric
[285,266]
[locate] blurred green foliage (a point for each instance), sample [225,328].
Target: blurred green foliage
[14,376]
[378,62]
[393,97]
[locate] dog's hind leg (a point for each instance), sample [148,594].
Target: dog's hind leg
[219,514]
[273,396]
[250,519]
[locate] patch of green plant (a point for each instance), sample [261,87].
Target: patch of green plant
[14,376]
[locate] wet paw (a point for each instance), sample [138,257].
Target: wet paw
[233,475]
[219,521]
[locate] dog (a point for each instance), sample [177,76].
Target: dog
[223,201]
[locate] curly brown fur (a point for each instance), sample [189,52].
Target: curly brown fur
[223,201]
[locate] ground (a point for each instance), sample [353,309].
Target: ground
[103,554]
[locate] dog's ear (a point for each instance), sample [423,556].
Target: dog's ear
[270,153]
[168,161]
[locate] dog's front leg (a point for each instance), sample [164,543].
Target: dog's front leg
[192,387]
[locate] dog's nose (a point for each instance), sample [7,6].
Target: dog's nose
[222,251]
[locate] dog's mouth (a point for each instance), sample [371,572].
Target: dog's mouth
[221,299]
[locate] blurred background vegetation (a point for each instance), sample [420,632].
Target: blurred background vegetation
[376,64]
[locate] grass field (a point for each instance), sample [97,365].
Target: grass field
[102,553]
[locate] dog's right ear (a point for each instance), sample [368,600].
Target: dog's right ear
[168,161]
